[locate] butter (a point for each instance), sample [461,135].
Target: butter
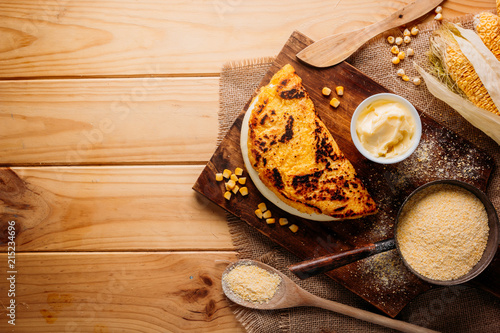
[385,128]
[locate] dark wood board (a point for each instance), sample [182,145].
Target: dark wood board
[381,280]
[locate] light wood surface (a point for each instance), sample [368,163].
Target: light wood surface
[113,121]
[108,154]
[121,292]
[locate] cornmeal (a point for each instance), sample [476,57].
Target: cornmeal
[442,232]
[252,283]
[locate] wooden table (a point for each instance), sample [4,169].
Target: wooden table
[108,113]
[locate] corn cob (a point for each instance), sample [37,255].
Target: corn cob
[487,26]
[461,71]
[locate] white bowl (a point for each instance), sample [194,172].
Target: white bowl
[415,139]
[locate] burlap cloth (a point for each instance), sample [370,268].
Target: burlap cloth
[455,309]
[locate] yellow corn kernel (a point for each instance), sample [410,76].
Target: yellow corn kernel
[463,74]
[238,171]
[414,31]
[227,195]
[230,184]
[395,60]
[242,180]
[399,40]
[234,177]
[438,9]
[339,90]
[406,32]
[487,26]
[438,17]
[390,40]
[294,228]
[334,102]
[410,52]
[270,221]
[226,173]
[218,176]
[283,221]
[326,91]
[400,72]
[235,189]
[407,39]
[401,55]
[259,214]
[267,214]
[244,191]
[416,81]
[405,78]
[395,49]
[262,206]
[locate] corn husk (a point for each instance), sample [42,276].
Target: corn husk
[486,121]
[486,66]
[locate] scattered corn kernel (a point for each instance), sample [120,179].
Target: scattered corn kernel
[416,81]
[334,102]
[405,78]
[242,180]
[262,206]
[226,173]
[231,184]
[234,177]
[400,72]
[399,40]
[259,214]
[406,32]
[407,39]
[395,49]
[410,52]
[395,60]
[438,9]
[326,91]
[238,171]
[244,191]
[227,195]
[235,189]
[283,221]
[270,221]
[218,176]
[267,214]
[414,31]
[390,40]
[294,228]
[401,55]
[339,90]
[438,17]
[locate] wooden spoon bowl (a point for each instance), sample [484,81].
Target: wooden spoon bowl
[289,295]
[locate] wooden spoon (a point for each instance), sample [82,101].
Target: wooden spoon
[333,49]
[289,295]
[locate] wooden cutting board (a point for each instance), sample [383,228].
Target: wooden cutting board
[381,280]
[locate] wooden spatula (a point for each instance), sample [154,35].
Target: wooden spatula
[333,49]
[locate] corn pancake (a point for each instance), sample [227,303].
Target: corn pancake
[297,158]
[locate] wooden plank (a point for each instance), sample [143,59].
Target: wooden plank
[109,208]
[112,37]
[118,292]
[440,154]
[143,120]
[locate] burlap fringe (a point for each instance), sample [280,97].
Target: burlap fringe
[247,62]
[238,236]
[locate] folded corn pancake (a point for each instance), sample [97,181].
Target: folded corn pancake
[295,155]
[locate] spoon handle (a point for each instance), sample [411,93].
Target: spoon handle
[312,300]
[309,268]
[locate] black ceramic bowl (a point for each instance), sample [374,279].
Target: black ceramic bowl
[491,245]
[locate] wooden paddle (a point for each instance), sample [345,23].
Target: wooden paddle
[333,49]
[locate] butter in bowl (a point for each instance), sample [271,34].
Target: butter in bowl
[386,128]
